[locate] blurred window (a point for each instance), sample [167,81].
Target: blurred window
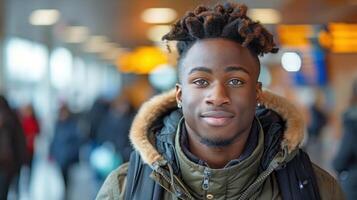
[25,61]
[61,68]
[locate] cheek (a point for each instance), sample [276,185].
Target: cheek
[245,98]
[245,106]
[191,97]
[191,103]
[189,111]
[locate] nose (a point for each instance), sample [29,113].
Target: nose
[218,96]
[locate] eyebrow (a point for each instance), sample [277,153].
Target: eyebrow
[202,69]
[235,68]
[227,69]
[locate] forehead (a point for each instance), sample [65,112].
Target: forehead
[218,53]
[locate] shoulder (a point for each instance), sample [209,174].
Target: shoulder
[114,185]
[328,186]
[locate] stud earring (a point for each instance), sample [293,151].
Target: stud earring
[179,105]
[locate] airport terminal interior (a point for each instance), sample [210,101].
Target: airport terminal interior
[75,72]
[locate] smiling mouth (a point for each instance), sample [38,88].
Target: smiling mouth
[217,118]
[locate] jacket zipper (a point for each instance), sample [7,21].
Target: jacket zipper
[256,183]
[259,180]
[167,179]
[205,182]
[277,161]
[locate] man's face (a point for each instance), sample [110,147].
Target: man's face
[218,90]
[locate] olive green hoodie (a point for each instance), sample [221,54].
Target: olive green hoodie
[240,181]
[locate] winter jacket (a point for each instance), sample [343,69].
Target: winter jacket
[114,128]
[31,130]
[245,180]
[345,162]
[66,142]
[12,147]
[12,143]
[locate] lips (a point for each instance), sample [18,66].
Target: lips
[217,118]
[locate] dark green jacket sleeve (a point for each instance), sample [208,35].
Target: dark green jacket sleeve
[114,185]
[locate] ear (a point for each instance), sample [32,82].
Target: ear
[178,93]
[258,90]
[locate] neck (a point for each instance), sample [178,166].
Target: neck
[217,157]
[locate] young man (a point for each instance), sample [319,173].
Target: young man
[218,135]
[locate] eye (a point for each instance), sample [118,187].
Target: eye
[235,82]
[200,82]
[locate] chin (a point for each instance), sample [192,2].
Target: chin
[222,140]
[215,142]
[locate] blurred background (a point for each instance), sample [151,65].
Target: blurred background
[74,72]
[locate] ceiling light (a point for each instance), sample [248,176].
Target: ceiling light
[44,17]
[155,33]
[76,34]
[142,60]
[159,15]
[265,15]
[96,44]
[291,61]
[112,52]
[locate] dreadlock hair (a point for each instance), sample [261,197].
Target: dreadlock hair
[228,21]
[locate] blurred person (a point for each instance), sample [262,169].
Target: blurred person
[65,144]
[317,123]
[115,126]
[12,147]
[112,140]
[31,129]
[345,162]
[96,114]
[219,135]
[318,117]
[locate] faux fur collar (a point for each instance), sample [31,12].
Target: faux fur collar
[158,105]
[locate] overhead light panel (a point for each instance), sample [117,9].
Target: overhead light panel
[265,15]
[76,34]
[112,51]
[142,60]
[295,35]
[96,44]
[343,37]
[155,33]
[159,15]
[291,61]
[44,17]
[112,54]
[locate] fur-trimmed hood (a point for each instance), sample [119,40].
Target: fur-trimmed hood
[159,105]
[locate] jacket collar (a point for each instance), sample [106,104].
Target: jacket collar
[221,181]
[159,105]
